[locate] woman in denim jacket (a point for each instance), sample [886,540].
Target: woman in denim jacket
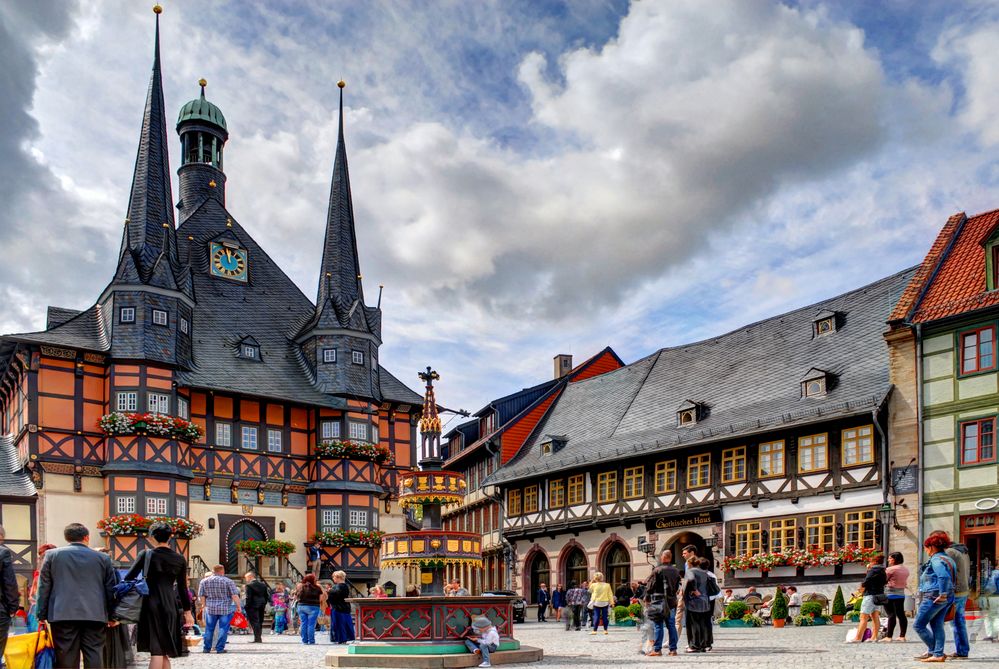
[936,590]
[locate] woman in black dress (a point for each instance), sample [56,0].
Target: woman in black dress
[160,629]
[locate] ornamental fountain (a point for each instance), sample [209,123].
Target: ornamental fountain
[426,631]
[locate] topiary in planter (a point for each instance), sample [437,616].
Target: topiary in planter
[635,610]
[778,609]
[736,610]
[838,604]
[621,614]
[813,609]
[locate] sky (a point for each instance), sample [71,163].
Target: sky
[529,177]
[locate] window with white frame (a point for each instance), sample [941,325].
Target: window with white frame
[358,431]
[126,315]
[185,326]
[127,401]
[183,408]
[357,357]
[181,508]
[156,506]
[330,429]
[159,317]
[274,441]
[125,504]
[358,519]
[249,440]
[330,519]
[329,355]
[158,402]
[250,352]
[223,434]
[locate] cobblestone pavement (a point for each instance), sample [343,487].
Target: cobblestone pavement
[793,648]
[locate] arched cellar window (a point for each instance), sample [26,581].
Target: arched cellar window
[617,566]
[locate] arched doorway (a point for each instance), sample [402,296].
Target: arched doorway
[677,544]
[576,567]
[617,566]
[235,562]
[540,572]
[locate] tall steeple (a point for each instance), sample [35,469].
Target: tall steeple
[149,244]
[340,342]
[340,274]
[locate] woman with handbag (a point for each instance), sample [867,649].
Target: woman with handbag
[161,627]
[601,597]
[936,591]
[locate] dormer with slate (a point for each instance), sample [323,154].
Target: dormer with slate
[825,322]
[816,382]
[689,413]
[342,322]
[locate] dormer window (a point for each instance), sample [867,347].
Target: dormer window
[553,444]
[824,323]
[815,383]
[249,349]
[689,413]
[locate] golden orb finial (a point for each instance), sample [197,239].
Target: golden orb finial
[341,84]
[202,82]
[157,9]
[166,225]
[211,183]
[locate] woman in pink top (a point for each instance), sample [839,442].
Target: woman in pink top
[898,576]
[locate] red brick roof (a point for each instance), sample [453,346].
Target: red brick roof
[951,279]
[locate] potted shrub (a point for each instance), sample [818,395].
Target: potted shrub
[735,614]
[622,617]
[813,612]
[838,606]
[778,610]
[635,610]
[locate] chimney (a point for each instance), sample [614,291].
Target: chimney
[563,364]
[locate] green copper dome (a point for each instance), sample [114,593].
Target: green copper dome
[202,110]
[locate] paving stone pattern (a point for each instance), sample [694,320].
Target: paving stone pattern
[790,648]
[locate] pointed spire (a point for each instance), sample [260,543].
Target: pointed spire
[340,274]
[150,205]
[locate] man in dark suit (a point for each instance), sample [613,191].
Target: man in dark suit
[543,599]
[9,596]
[257,597]
[75,595]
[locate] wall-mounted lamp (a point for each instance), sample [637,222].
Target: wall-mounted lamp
[211,523]
[282,527]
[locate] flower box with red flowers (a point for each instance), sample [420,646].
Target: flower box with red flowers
[353,450]
[155,424]
[132,524]
[369,538]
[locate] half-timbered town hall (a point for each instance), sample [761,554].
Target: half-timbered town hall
[203,386]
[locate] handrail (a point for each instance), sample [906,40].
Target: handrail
[353,587]
[197,567]
[292,570]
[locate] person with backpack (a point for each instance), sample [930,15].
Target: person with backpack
[697,601]
[962,588]
[936,590]
[660,593]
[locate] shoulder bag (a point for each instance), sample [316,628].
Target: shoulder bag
[129,595]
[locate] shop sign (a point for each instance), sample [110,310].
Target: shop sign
[987,504]
[676,521]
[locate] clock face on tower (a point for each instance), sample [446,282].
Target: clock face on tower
[228,261]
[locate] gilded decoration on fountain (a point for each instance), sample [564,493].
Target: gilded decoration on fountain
[431,487]
[429,549]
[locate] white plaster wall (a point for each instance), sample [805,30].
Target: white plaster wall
[59,505]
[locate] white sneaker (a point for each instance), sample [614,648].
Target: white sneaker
[485,664]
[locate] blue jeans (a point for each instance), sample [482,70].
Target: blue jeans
[473,646]
[670,622]
[308,615]
[961,645]
[929,623]
[213,620]
[600,613]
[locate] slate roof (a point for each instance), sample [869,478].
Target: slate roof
[747,380]
[951,279]
[14,481]
[85,331]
